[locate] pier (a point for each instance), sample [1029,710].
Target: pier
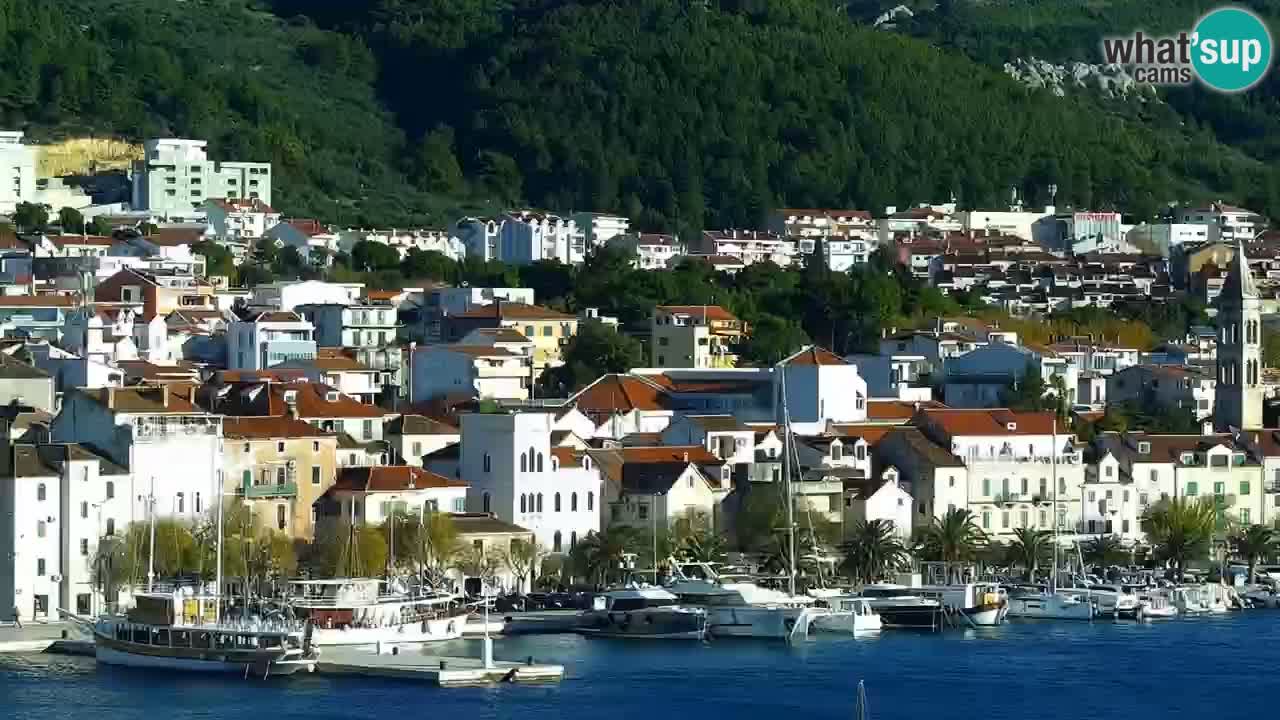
[418,663]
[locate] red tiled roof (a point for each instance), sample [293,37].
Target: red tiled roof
[64,240]
[514,311]
[249,428]
[312,402]
[173,237]
[619,394]
[814,355]
[242,205]
[37,301]
[992,422]
[710,312]
[896,409]
[392,478]
[307,227]
[696,454]
[568,457]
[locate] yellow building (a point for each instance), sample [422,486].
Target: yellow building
[280,466]
[548,329]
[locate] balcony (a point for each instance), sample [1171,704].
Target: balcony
[286,489]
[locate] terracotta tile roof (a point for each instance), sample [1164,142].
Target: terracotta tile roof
[619,394]
[696,454]
[420,425]
[282,316]
[65,240]
[502,335]
[992,422]
[872,434]
[568,457]
[656,239]
[814,355]
[64,301]
[653,470]
[391,478]
[244,205]
[248,376]
[9,240]
[717,423]
[485,524]
[897,409]
[705,387]
[151,372]
[482,351]
[327,359]
[710,312]
[175,236]
[307,227]
[514,311]
[267,398]
[142,400]
[250,428]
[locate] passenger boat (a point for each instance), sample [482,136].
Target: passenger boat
[899,606]
[356,611]
[643,613]
[848,614]
[181,631]
[1038,603]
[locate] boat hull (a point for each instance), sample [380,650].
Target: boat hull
[987,614]
[843,622]
[651,624]
[780,623]
[1048,607]
[423,631]
[208,664]
[914,617]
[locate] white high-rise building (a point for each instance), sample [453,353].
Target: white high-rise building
[176,177]
[17,171]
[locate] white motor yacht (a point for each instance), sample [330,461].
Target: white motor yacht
[643,613]
[1116,600]
[1156,605]
[983,603]
[902,607]
[848,614]
[1041,603]
[355,611]
[740,608]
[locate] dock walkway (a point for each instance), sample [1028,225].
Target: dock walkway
[418,663]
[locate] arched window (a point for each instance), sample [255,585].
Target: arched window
[531,454]
[591,501]
[524,461]
[557,502]
[556,543]
[573,502]
[539,462]
[573,539]
[522,503]
[40,492]
[488,464]
[539,502]
[486,500]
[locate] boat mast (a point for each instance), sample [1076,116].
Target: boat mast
[1053,474]
[786,478]
[151,553]
[217,573]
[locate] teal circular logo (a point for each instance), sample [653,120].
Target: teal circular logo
[1231,49]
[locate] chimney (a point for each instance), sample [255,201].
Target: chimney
[164,395]
[1206,428]
[111,397]
[292,409]
[685,457]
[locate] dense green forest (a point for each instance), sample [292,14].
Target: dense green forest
[682,114]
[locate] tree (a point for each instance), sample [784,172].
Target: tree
[288,262]
[954,537]
[1271,349]
[1029,547]
[1104,551]
[694,538]
[1028,392]
[521,558]
[1253,544]
[772,339]
[101,226]
[597,349]
[1180,530]
[760,519]
[872,551]
[368,255]
[71,220]
[217,259]
[111,567]
[428,265]
[30,217]
[438,167]
[346,554]
[438,547]
[479,563]
[598,557]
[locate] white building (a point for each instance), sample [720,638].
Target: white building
[821,388]
[507,459]
[367,332]
[239,220]
[403,240]
[694,336]
[655,487]
[370,495]
[1233,224]
[269,339]
[479,371]
[653,251]
[316,243]
[1163,387]
[426,312]
[412,436]
[151,430]
[1238,398]
[176,177]
[1018,223]
[882,498]
[288,294]
[600,228]
[981,377]
[17,171]
[527,237]
[56,502]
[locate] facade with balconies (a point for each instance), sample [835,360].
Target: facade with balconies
[269,339]
[368,332]
[279,466]
[695,336]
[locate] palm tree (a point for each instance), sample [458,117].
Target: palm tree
[872,551]
[1105,551]
[1253,544]
[954,537]
[1028,547]
[1181,529]
[599,554]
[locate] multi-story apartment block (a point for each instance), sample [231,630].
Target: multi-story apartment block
[695,336]
[280,467]
[159,291]
[241,219]
[600,228]
[268,339]
[176,177]
[423,317]
[17,171]
[1234,224]
[549,330]
[368,332]
[57,501]
[653,251]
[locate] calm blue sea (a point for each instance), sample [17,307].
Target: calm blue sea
[1227,667]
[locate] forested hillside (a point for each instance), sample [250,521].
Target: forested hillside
[682,114]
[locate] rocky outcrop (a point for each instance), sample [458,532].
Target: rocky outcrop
[1109,80]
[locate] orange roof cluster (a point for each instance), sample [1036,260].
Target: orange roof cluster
[999,421]
[392,478]
[270,427]
[513,311]
[814,355]
[710,312]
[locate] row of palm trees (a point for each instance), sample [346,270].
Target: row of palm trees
[1179,532]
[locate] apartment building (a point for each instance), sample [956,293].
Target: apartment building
[176,176]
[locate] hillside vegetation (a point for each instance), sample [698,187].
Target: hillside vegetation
[682,115]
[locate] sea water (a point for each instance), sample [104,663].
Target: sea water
[1214,667]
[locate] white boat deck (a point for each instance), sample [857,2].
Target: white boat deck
[414,663]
